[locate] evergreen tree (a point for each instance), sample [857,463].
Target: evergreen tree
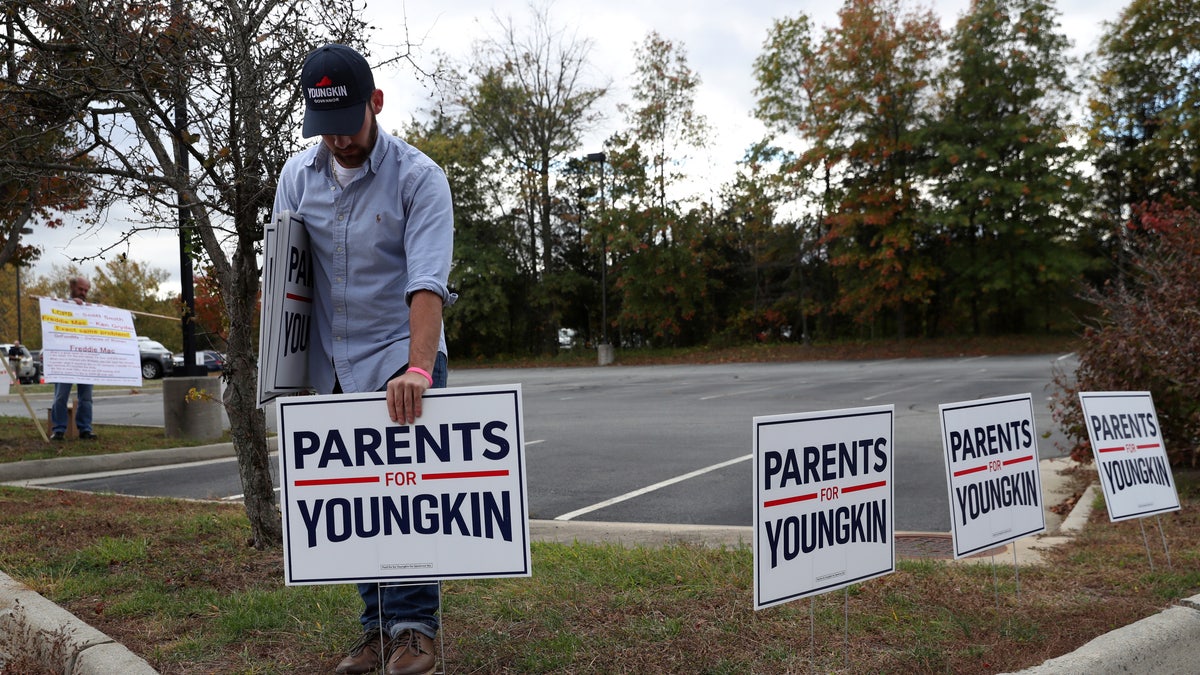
[1145,109]
[1005,172]
[1145,118]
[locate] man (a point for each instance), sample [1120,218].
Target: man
[14,360]
[380,222]
[78,287]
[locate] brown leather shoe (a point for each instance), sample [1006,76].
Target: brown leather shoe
[412,654]
[366,656]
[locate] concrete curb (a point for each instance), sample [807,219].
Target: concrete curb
[68,466]
[1074,522]
[36,628]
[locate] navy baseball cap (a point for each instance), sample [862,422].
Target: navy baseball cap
[337,84]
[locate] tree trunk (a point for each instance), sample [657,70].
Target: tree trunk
[248,422]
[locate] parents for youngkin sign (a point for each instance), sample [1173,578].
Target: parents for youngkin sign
[823,502]
[1130,454]
[369,500]
[992,472]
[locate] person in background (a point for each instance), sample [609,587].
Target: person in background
[381,228]
[14,359]
[79,287]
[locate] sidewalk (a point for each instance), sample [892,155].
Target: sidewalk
[30,624]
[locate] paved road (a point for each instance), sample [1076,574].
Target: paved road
[671,444]
[112,406]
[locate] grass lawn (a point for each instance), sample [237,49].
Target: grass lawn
[20,440]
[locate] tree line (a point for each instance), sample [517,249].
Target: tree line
[917,182]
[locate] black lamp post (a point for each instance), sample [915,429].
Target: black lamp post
[17,267]
[186,227]
[600,157]
[20,333]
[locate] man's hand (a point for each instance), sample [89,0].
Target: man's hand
[404,394]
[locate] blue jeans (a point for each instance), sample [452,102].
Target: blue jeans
[412,606]
[83,412]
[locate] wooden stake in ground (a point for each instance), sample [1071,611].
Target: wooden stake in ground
[21,390]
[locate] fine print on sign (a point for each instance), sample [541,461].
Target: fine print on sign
[368,500]
[823,502]
[1130,455]
[992,470]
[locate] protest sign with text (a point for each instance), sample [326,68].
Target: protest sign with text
[368,500]
[992,472]
[89,344]
[1130,454]
[823,502]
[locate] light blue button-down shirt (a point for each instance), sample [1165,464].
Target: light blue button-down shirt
[386,235]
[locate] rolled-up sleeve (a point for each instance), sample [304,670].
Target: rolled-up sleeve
[430,229]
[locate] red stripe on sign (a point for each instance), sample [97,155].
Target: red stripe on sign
[1119,448]
[337,481]
[789,500]
[301,298]
[1018,460]
[464,474]
[1148,446]
[966,472]
[867,486]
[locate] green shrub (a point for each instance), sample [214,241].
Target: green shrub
[1146,336]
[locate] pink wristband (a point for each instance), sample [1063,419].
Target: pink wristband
[420,371]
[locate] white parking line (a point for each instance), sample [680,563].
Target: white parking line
[49,480]
[650,488]
[897,391]
[736,393]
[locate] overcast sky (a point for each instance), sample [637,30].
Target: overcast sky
[721,40]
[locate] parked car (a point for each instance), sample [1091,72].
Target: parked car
[214,361]
[37,364]
[156,359]
[23,365]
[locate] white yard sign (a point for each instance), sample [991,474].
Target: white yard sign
[992,472]
[89,344]
[1130,455]
[286,310]
[823,502]
[368,500]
